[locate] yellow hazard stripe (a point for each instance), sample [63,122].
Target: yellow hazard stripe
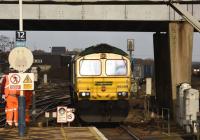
[63,133]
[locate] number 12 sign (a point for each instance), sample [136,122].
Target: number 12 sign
[20,36]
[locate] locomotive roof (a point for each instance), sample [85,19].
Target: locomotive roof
[102,48]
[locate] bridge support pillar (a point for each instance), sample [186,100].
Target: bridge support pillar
[173,59]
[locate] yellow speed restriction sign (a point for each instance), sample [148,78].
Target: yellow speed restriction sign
[20,58]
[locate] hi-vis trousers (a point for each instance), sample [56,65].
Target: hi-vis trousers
[12,110]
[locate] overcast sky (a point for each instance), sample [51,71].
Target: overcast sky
[143,41]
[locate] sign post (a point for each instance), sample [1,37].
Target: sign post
[21,59]
[21,99]
[20,16]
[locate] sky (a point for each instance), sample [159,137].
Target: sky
[76,39]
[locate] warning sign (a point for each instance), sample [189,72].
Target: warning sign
[28,86]
[15,87]
[15,79]
[27,79]
[21,81]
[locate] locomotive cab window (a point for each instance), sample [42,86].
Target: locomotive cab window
[90,67]
[116,67]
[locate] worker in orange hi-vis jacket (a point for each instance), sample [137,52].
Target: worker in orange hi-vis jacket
[28,94]
[11,109]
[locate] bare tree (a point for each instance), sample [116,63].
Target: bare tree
[5,43]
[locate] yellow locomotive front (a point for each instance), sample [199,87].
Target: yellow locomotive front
[102,86]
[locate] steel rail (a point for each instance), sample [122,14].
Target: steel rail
[129,132]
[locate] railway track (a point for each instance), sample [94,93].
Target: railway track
[130,132]
[2,119]
[48,98]
[120,132]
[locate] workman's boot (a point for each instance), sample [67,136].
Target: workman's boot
[8,126]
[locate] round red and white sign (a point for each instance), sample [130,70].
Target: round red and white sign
[70,117]
[14,79]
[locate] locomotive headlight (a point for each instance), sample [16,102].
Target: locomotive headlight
[122,94]
[84,94]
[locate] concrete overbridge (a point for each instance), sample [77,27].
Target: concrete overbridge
[94,15]
[172,48]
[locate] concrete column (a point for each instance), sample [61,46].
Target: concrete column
[180,43]
[173,57]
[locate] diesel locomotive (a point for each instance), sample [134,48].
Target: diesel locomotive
[101,83]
